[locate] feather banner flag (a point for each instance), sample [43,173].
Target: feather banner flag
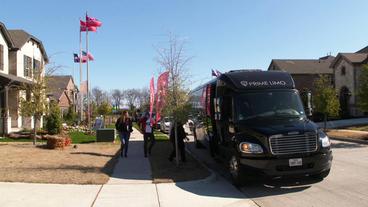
[162,84]
[152,97]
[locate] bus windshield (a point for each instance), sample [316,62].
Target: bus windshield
[268,104]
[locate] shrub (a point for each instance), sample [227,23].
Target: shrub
[53,120]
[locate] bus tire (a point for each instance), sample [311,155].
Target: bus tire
[236,171]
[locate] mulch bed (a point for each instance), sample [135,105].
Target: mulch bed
[83,164]
[351,134]
[164,171]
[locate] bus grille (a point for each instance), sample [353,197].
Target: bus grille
[293,144]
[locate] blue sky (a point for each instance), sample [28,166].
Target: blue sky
[223,35]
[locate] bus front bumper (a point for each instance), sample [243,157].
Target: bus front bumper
[275,167]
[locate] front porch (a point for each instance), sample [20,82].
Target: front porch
[11,89]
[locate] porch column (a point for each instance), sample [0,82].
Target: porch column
[7,125]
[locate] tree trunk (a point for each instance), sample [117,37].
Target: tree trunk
[325,122]
[34,130]
[176,143]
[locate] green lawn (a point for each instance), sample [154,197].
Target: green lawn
[159,136]
[359,128]
[6,139]
[80,137]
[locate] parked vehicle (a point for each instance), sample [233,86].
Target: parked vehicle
[255,121]
[165,124]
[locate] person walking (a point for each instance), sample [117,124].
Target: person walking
[124,126]
[181,136]
[146,126]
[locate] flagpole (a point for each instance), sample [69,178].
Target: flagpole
[88,84]
[80,74]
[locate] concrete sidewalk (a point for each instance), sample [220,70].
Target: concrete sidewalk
[343,123]
[130,185]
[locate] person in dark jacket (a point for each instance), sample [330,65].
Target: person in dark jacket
[181,136]
[124,127]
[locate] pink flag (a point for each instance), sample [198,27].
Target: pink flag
[89,28]
[152,97]
[93,22]
[162,84]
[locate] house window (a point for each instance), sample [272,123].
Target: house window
[36,66]
[1,57]
[343,70]
[27,66]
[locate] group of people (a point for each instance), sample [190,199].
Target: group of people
[124,125]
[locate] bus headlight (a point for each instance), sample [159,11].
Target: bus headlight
[250,148]
[324,139]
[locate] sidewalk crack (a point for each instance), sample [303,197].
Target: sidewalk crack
[98,193]
[158,197]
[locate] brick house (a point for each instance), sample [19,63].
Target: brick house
[21,56]
[347,69]
[63,90]
[305,71]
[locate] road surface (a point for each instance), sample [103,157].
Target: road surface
[347,184]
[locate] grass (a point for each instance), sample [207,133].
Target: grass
[80,137]
[159,136]
[359,128]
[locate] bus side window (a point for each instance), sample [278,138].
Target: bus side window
[227,108]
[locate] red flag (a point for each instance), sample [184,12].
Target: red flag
[162,84]
[152,97]
[90,28]
[93,21]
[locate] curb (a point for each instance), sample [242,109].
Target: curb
[210,178]
[350,140]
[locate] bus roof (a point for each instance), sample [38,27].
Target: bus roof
[254,79]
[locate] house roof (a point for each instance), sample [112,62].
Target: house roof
[6,35]
[10,79]
[304,66]
[57,85]
[352,58]
[363,50]
[21,37]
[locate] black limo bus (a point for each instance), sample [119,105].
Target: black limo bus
[255,120]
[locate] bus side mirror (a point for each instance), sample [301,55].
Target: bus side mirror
[309,109]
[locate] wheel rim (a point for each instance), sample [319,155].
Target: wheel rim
[234,167]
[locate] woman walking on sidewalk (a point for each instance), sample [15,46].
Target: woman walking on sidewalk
[124,126]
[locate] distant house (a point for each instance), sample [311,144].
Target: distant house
[21,56]
[305,71]
[63,90]
[347,69]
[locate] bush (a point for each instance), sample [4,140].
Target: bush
[53,120]
[71,116]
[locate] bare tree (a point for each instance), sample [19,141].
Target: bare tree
[143,98]
[117,97]
[98,95]
[131,96]
[173,59]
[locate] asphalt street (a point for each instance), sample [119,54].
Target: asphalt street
[347,184]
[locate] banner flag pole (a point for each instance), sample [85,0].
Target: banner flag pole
[80,74]
[88,83]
